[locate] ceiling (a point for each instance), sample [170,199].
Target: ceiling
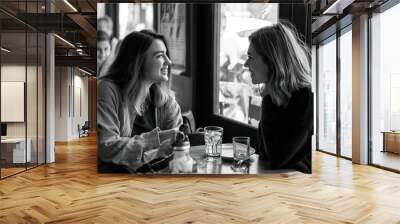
[76,20]
[76,25]
[331,15]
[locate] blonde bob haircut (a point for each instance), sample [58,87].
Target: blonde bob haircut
[287,57]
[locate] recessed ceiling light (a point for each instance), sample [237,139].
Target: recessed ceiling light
[84,71]
[5,50]
[70,5]
[64,40]
[337,7]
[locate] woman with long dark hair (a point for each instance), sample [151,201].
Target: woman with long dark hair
[135,88]
[279,59]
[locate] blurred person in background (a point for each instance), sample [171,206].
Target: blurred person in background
[106,25]
[103,52]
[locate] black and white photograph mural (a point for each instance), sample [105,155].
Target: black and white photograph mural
[230,94]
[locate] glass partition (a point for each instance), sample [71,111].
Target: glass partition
[22,89]
[385,89]
[13,94]
[327,96]
[346,94]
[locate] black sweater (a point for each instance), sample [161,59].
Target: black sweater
[284,133]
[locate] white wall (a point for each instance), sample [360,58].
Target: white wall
[14,72]
[17,73]
[61,103]
[33,126]
[70,83]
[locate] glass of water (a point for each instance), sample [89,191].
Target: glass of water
[241,153]
[213,140]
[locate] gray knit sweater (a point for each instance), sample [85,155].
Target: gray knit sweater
[120,143]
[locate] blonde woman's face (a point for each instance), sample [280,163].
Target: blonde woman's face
[258,68]
[156,63]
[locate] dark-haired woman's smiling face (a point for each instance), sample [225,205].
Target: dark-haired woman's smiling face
[258,68]
[156,65]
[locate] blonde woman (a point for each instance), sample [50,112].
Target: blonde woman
[278,59]
[135,89]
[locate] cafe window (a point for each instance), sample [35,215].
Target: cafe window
[134,17]
[238,98]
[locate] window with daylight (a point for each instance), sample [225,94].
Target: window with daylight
[385,88]
[238,98]
[346,94]
[327,96]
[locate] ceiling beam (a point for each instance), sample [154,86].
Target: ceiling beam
[82,61]
[86,27]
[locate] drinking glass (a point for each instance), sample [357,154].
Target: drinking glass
[213,140]
[209,166]
[241,153]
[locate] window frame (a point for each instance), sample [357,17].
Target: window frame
[334,36]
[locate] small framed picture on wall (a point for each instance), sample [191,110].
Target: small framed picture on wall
[172,19]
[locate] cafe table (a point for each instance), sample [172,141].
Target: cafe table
[223,165]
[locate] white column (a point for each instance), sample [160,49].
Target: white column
[50,100]
[360,90]
[50,92]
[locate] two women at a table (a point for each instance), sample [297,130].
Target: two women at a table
[138,115]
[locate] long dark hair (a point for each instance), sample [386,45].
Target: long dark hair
[288,58]
[126,72]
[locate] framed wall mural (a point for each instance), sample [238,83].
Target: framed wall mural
[142,128]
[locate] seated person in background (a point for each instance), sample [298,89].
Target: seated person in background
[278,58]
[135,83]
[234,94]
[103,52]
[106,24]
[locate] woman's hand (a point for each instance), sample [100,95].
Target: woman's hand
[167,138]
[165,148]
[168,135]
